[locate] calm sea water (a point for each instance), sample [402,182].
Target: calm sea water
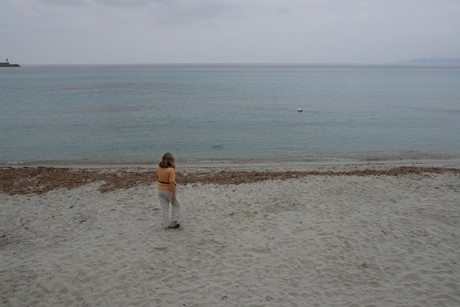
[135,113]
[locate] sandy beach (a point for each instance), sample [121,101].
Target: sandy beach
[366,235]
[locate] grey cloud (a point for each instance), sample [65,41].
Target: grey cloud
[64,3]
[126,3]
[183,12]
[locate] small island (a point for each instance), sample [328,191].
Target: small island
[7,64]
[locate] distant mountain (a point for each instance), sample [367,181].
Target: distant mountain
[433,61]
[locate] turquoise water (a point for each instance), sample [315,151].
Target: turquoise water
[134,113]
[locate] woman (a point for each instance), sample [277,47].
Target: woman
[166,176]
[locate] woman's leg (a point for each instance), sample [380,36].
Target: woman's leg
[175,214]
[164,202]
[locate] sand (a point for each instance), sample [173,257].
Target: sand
[378,236]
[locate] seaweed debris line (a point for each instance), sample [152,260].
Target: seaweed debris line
[7,64]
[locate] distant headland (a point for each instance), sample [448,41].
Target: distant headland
[7,64]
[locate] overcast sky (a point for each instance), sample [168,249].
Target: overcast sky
[227,31]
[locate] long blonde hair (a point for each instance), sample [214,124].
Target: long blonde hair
[168,161]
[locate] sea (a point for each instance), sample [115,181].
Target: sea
[133,114]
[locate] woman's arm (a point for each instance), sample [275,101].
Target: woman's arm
[172,184]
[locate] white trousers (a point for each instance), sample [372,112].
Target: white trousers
[166,199]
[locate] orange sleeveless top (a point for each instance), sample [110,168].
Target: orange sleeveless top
[165,176]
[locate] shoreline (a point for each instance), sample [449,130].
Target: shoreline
[396,158]
[252,162]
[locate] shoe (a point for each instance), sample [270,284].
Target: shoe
[174,226]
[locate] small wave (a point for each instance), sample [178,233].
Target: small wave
[14,163]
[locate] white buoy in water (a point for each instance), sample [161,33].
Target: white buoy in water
[299,110]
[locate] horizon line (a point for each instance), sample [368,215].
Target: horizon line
[404,63]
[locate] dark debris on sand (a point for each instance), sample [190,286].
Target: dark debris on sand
[40,180]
